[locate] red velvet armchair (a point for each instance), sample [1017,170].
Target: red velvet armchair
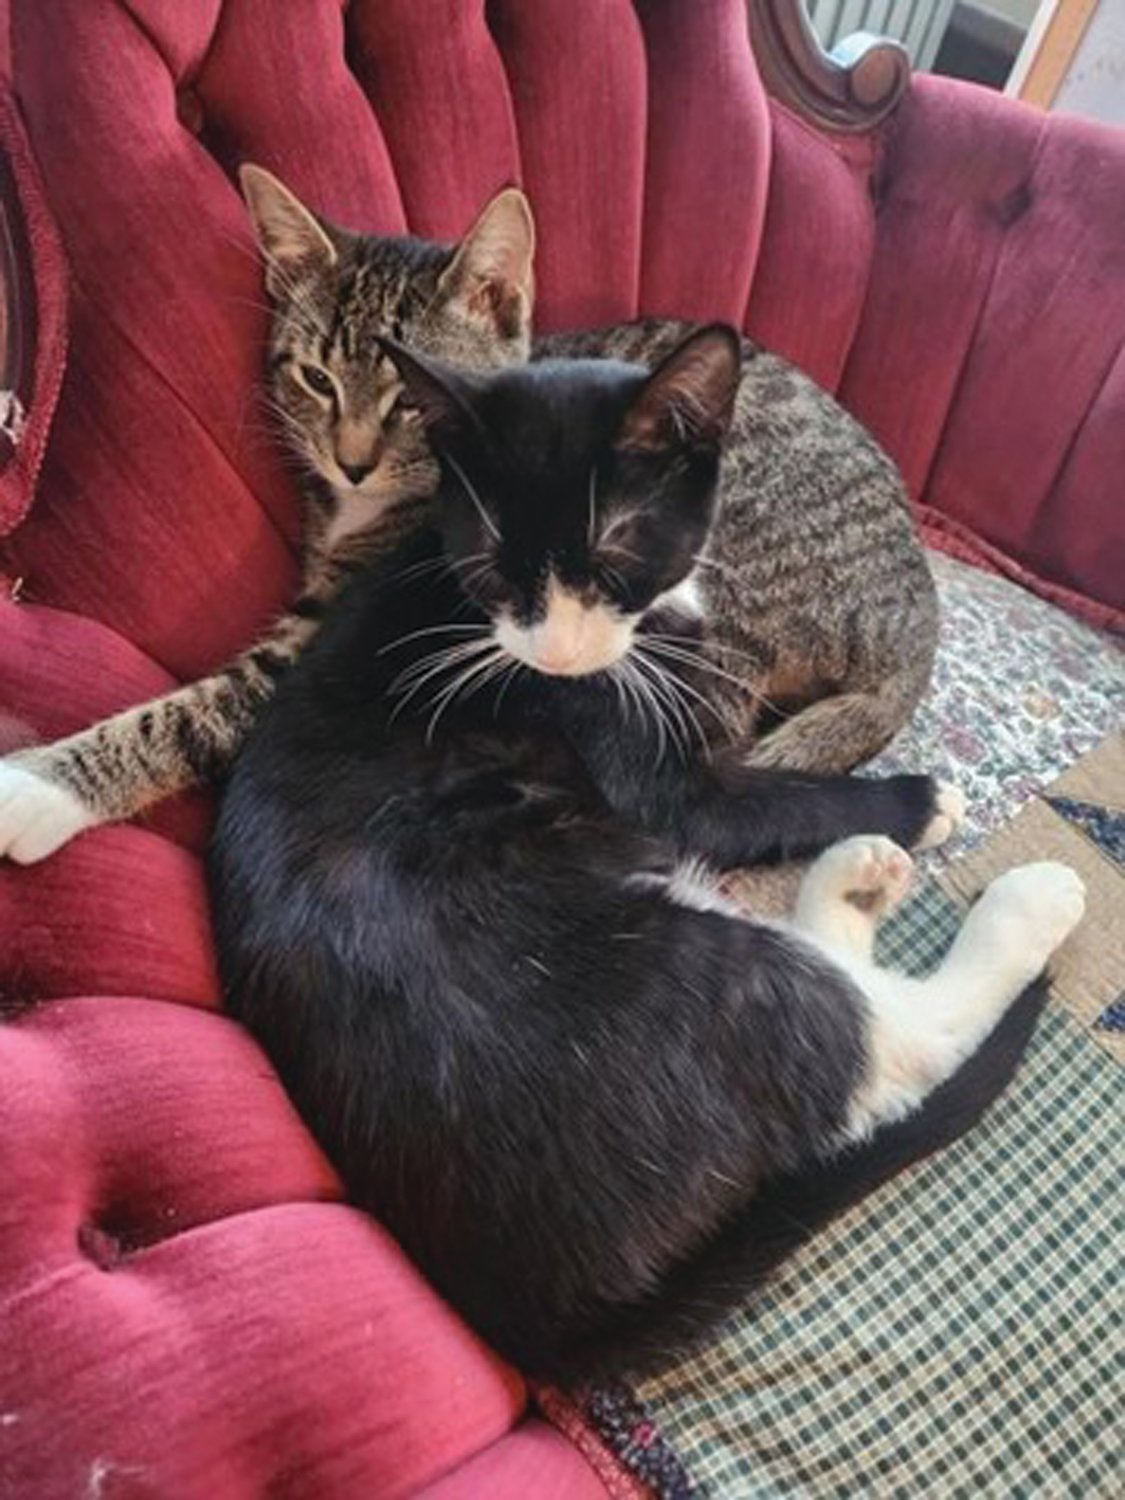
[186,1307]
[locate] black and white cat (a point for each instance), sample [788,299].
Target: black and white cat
[461,893]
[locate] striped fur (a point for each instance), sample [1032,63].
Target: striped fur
[815,594]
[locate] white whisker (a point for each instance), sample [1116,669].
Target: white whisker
[614,574]
[624,698]
[679,721]
[420,569]
[704,664]
[646,699]
[414,635]
[675,685]
[457,563]
[686,687]
[496,668]
[449,662]
[462,681]
[617,523]
[624,692]
[474,575]
[665,686]
[626,552]
[694,641]
[472,494]
[435,660]
[514,669]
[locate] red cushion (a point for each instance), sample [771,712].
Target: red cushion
[988,358]
[186,1309]
[819,235]
[182,1303]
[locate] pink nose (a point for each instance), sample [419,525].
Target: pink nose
[557,657]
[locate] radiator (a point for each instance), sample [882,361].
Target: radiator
[918,24]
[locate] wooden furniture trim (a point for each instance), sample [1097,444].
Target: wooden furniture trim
[850,90]
[17,312]
[1049,49]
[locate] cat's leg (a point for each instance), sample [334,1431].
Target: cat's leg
[835,734]
[727,814]
[922,1030]
[115,769]
[731,816]
[849,889]
[880,658]
[718,809]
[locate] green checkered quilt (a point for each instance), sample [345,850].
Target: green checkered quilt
[959,1334]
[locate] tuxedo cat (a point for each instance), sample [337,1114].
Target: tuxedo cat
[462,889]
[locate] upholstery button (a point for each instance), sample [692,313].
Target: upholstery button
[189,110]
[101,1247]
[1014,205]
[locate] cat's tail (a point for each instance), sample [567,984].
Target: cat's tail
[782,1218]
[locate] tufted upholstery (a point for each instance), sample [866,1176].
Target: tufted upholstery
[186,1307]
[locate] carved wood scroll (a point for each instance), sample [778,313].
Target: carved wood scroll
[851,89]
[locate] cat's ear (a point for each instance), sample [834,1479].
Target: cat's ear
[688,399]
[292,242]
[491,275]
[437,393]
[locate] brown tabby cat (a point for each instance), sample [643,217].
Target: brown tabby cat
[815,600]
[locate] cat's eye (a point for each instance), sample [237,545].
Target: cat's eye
[617,577]
[318,382]
[403,409]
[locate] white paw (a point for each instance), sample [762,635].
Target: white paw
[36,816]
[950,814]
[1038,906]
[870,870]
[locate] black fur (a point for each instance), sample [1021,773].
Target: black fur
[560,1090]
[790,1211]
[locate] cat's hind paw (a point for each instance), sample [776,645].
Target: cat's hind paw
[1036,907]
[36,816]
[948,815]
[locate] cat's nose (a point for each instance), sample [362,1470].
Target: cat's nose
[357,473]
[559,657]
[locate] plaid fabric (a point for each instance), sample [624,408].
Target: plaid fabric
[917,936]
[959,1334]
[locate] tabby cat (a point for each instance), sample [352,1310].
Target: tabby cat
[461,898]
[822,618]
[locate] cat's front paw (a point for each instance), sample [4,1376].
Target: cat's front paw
[36,816]
[946,817]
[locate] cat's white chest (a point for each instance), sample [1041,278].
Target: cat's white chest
[355,512]
[686,598]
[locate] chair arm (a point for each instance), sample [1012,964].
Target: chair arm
[849,90]
[32,317]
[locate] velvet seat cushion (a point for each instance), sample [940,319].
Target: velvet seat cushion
[173,1254]
[187,1306]
[968,305]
